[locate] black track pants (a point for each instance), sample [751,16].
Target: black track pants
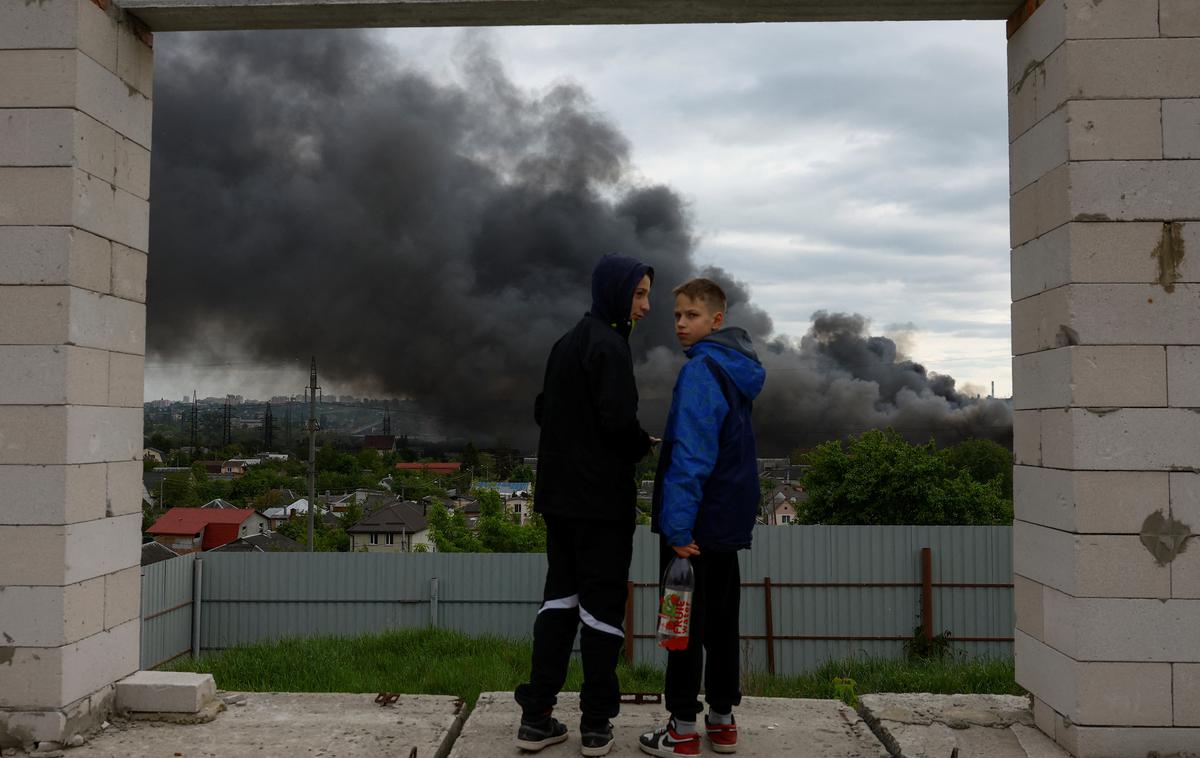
[585,581]
[713,647]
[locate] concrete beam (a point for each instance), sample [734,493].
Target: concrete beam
[185,15]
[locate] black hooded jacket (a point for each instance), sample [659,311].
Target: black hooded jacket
[587,410]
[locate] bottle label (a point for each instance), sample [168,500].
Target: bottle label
[674,618]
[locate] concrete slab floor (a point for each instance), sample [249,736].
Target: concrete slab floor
[920,725]
[292,725]
[767,726]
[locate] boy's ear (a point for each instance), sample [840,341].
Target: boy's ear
[718,319]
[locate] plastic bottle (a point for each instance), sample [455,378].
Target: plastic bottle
[675,612]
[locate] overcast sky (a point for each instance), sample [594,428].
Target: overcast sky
[848,167]
[841,167]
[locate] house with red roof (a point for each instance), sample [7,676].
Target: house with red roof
[188,530]
[441,469]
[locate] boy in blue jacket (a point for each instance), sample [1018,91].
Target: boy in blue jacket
[706,496]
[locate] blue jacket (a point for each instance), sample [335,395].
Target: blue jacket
[706,488]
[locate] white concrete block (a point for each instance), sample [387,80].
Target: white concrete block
[135,63]
[33,435]
[52,495]
[36,196]
[51,616]
[124,488]
[1089,502]
[1088,19]
[1099,130]
[133,168]
[1106,314]
[1179,18]
[107,98]
[1134,190]
[38,78]
[34,726]
[1090,375]
[1041,90]
[1189,267]
[1183,376]
[122,596]
[37,137]
[1038,151]
[111,212]
[1106,741]
[1041,207]
[58,676]
[1134,68]
[107,323]
[98,33]
[1046,673]
[1027,436]
[1088,565]
[53,375]
[129,273]
[1040,35]
[1181,128]
[165,692]
[50,24]
[1129,439]
[55,255]
[1091,252]
[61,555]
[1185,687]
[1122,629]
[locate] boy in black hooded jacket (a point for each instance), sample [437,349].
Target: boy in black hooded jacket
[590,442]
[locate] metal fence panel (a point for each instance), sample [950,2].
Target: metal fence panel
[166,610]
[838,591]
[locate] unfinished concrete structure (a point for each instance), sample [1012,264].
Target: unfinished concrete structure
[1104,123]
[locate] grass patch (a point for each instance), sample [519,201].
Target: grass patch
[440,662]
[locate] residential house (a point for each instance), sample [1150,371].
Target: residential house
[384,443]
[506,489]
[400,527]
[188,530]
[153,552]
[440,469]
[153,454]
[212,468]
[219,503]
[298,509]
[783,503]
[267,542]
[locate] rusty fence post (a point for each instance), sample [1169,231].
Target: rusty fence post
[927,593]
[629,587]
[770,625]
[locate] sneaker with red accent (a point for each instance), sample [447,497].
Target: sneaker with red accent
[722,737]
[665,741]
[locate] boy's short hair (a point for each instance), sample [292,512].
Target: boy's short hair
[705,290]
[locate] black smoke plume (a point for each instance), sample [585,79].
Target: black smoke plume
[431,239]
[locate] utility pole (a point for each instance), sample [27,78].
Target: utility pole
[195,418]
[268,429]
[387,417]
[312,449]
[227,426]
[287,425]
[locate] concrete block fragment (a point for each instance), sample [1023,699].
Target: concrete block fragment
[1133,68]
[1090,375]
[37,137]
[165,692]
[1027,600]
[129,273]
[1181,128]
[1099,130]
[1089,502]
[1179,18]
[122,596]
[124,487]
[1186,689]
[126,380]
[1027,436]
[52,375]
[1038,151]
[52,495]
[1183,376]
[107,323]
[38,78]
[1088,565]
[1041,207]
[1134,190]
[51,616]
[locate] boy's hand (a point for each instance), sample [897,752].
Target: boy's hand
[655,440]
[686,551]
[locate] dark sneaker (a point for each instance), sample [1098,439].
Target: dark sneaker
[595,740]
[722,737]
[535,735]
[665,741]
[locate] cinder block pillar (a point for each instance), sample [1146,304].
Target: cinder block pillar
[75,89]
[1104,117]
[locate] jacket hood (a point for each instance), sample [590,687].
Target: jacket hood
[613,281]
[733,351]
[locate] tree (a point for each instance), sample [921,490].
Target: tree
[450,533]
[496,530]
[984,460]
[878,478]
[521,473]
